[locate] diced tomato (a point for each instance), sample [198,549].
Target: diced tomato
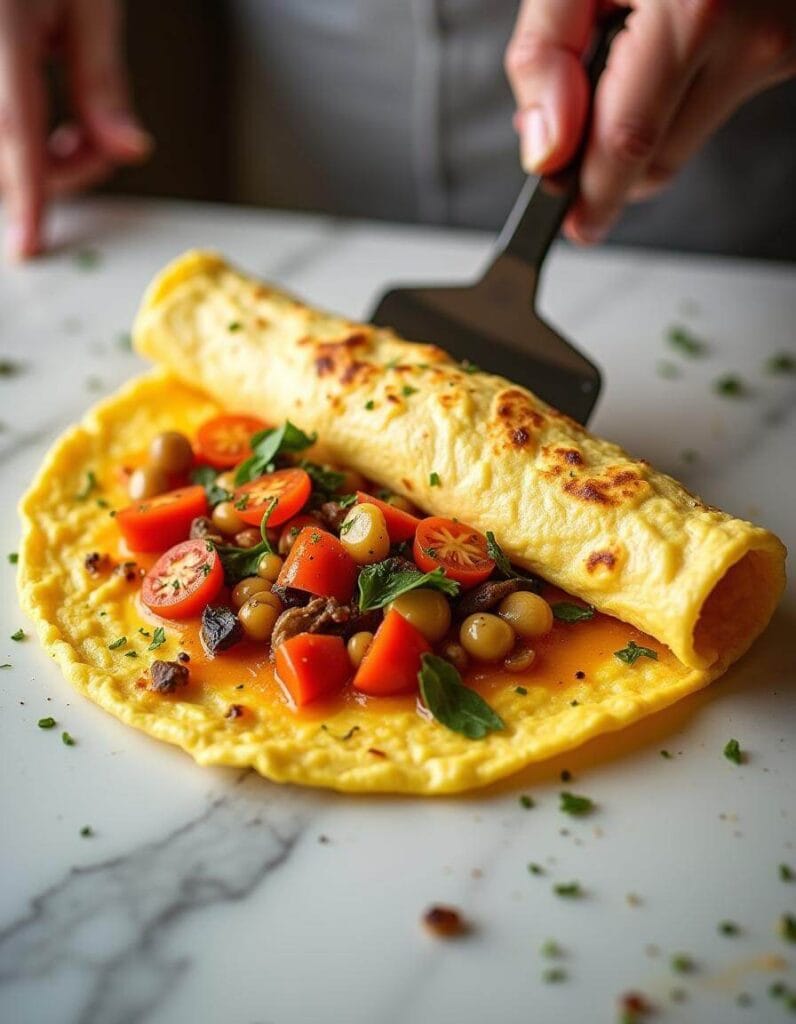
[319,564]
[458,549]
[400,525]
[290,487]
[392,661]
[312,665]
[224,441]
[183,580]
[156,523]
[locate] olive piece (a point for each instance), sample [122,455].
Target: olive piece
[456,655]
[226,480]
[146,482]
[248,538]
[427,610]
[364,534]
[269,566]
[258,617]
[357,647]
[220,629]
[520,660]
[171,452]
[486,637]
[225,518]
[526,613]
[242,591]
[402,503]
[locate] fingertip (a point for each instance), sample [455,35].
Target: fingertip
[120,135]
[22,242]
[579,229]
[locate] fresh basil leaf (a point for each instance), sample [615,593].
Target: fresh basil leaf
[504,566]
[325,482]
[630,654]
[453,704]
[566,611]
[239,563]
[383,582]
[206,477]
[267,445]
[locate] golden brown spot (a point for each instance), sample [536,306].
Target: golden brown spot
[588,490]
[408,484]
[596,558]
[571,455]
[324,365]
[520,437]
[261,322]
[351,371]
[376,752]
[444,922]
[517,421]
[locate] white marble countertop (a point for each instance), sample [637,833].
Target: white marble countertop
[207,895]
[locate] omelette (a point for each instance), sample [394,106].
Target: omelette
[308,546]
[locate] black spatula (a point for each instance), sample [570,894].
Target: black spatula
[493,323]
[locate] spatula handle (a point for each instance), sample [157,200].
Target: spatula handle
[543,202]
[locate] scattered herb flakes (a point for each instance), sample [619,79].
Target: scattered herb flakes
[6,664]
[535,869]
[787,927]
[370,405]
[8,368]
[630,654]
[453,704]
[89,485]
[730,386]
[667,370]
[569,890]
[566,611]
[469,367]
[786,873]
[86,831]
[117,643]
[503,565]
[46,723]
[780,362]
[434,480]
[381,583]
[729,928]
[18,635]
[13,557]
[686,341]
[551,949]
[407,390]
[131,654]
[732,751]
[521,690]
[578,806]
[267,445]
[67,740]
[682,963]
[158,638]
[666,755]
[206,477]
[526,801]
[236,325]
[777,989]
[553,975]
[144,632]
[87,259]
[124,341]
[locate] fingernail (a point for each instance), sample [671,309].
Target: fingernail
[536,142]
[15,243]
[133,134]
[590,233]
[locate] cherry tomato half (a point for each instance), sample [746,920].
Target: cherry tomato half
[400,525]
[456,548]
[319,564]
[224,441]
[290,487]
[156,523]
[184,580]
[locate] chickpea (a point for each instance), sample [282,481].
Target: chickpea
[227,480]
[527,614]
[171,452]
[225,518]
[146,482]
[269,566]
[427,610]
[357,647]
[364,534]
[486,637]
[520,660]
[456,655]
[287,539]
[352,481]
[248,538]
[400,502]
[258,617]
[242,591]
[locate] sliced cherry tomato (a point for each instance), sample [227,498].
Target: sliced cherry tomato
[224,441]
[400,525]
[392,661]
[184,580]
[290,487]
[319,564]
[154,524]
[458,549]
[312,665]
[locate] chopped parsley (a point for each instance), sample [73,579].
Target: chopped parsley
[158,638]
[370,404]
[407,390]
[521,690]
[89,486]
[535,869]
[566,611]
[131,654]
[502,563]
[630,654]
[46,723]
[87,259]
[569,890]
[681,963]
[526,801]
[18,635]
[236,325]
[686,342]
[786,873]
[346,526]
[453,704]
[732,751]
[86,831]
[67,740]
[728,928]
[144,632]
[782,362]
[554,974]
[551,949]
[666,755]
[787,927]
[383,582]
[116,644]
[730,386]
[433,480]
[576,805]
[8,368]
[13,557]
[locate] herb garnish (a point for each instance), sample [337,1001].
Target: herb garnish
[502,563]
[729,928]
[89,486]
[551,949]
[239,563]
[18,635]
[554,974]
[8,368]
[453,704]
[787,927]
[267,445]
[433,480]
[535,869]
[158,638]
[370,404]
[46,723]
[116,644]
[630,654]
[666,755]
[521,690]
[131,654]
[681,963]
[408,390]
[571,890]
[325,482]
[732,751]
[206,477]
[782,362]
[234,326]
[13,557]
[526,801]
[786,873]
[576,805]
[67,740]
[730,386]
[566,611]
[383,582]
[86,831]
[682,339]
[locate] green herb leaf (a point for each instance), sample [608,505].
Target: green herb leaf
[787,927]
[681,963]
[131,654]
[730,386]
[116,644]
[566,611]
[521,690]
[325,482]
[6,664]
[504,566]
[433,480]
[18,635]
[408,390]
[786,873]
[570,890]
[206,477]
[267,445]
[453,704]
[86,831]
[576,805]
[526,801]
[535,869]
[8,368]
[551,949]
[89,486]
[236,325]
[239,563]
[158,638]
[732,751]
[782,362]
[370,404]
[729,928]
[46,723]
[666,755]
[383,582]
[346,500]
[13,557]
[686,342]
[630,654]
[67,740]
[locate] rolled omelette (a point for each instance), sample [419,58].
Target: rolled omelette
[573,508]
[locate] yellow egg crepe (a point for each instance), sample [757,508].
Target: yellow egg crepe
[665,571]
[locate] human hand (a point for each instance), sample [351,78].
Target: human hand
[675,73]
[86,35]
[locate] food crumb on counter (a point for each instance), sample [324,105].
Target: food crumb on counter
[444,922]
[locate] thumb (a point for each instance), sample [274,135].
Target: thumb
[543,65]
